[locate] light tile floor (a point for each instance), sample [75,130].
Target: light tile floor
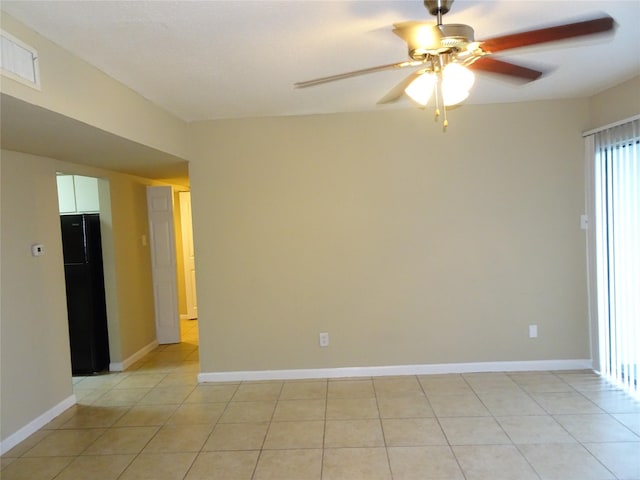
[155,422]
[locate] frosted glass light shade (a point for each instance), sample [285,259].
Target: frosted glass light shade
[451,96]
[421,88]
[456,82]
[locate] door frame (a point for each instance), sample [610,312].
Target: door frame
[188,255]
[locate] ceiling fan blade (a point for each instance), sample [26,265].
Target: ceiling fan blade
[396,92]
[549,34]
[355,73]
[491,65]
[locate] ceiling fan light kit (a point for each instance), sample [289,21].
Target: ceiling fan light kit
[446,54]
[450,85]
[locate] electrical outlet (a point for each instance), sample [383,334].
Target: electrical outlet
[324,339]
[533,331]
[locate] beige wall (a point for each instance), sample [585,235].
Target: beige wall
[615,104]
[74,88]
[34,355]
[406,244]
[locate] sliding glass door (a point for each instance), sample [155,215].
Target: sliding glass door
[615,240]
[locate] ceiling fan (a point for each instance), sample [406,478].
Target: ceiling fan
[446,55]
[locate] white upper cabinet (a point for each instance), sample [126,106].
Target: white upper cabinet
[86,189]
[77,194]
[66,195]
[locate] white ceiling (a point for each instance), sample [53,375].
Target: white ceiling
[229,59]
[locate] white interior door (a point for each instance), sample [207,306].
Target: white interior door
[163,261]
[188,254]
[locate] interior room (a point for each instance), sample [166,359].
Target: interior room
[379,294]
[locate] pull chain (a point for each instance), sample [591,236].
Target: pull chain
[437,92]
[440,96]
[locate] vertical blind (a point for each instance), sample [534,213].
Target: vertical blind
[617,235]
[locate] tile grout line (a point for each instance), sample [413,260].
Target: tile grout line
[255,468]
[384,438]
[437,418]
[324,427]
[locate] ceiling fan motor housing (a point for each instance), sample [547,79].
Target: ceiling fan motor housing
[438,40]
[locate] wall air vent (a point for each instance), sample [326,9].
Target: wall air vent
[18,60]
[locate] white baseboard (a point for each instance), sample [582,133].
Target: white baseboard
[35,425]
[127,362]
[426,369]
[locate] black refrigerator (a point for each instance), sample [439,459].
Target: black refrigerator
[84,278]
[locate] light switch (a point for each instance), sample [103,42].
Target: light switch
[37,250]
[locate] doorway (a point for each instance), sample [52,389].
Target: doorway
[173,261]
[190,308]
[136,238]
[84,224]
